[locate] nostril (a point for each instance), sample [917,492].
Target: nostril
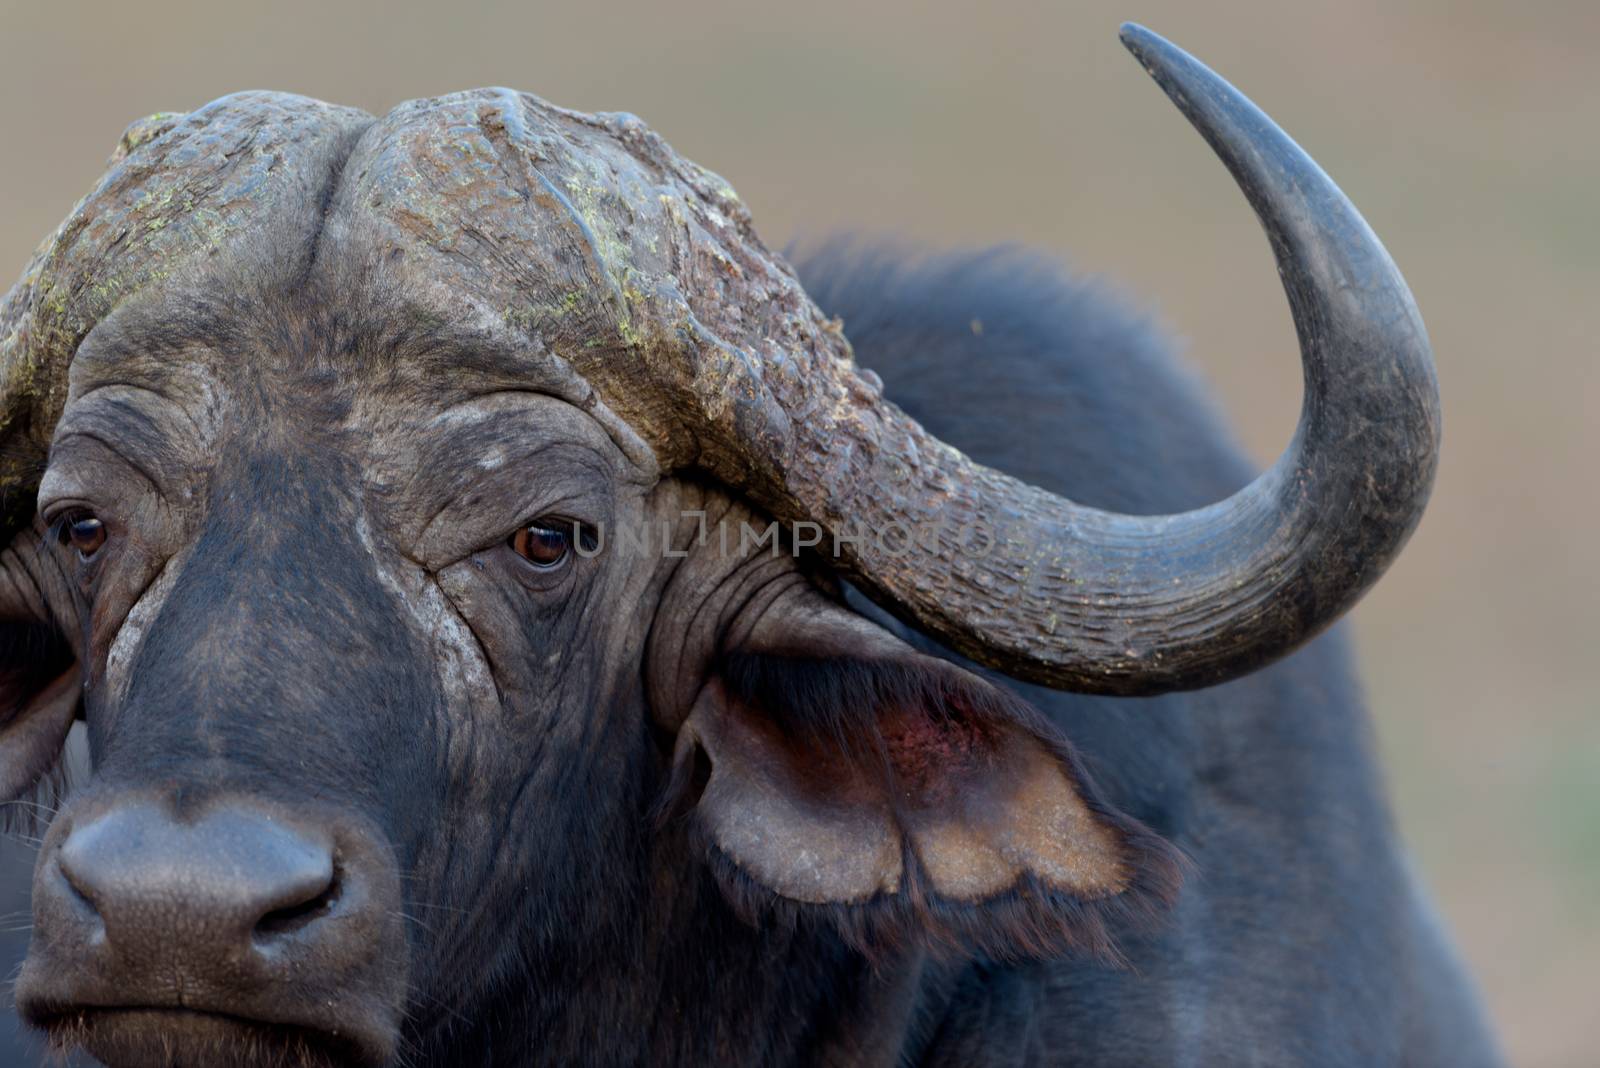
[291,918]
[79,891]
[74,883]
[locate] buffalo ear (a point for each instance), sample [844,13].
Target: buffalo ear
[39,693]
[904,800]
[40,687]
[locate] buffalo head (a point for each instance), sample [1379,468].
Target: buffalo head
[381,495]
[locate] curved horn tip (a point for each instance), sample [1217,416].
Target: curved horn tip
[1322,243]
[1147,46]
[1204,96]
[1159,56]
[1135,36]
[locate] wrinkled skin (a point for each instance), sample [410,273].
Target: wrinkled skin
[222,494]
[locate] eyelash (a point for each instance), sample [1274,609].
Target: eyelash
[584,537]
[55,530]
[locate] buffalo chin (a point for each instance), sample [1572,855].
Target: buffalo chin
[184,1038]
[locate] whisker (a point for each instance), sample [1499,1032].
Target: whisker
[51,809]
[441,908]
[412,919]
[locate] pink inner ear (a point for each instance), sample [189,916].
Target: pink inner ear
[932,751]
[983,803]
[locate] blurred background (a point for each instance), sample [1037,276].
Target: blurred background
[1467,131]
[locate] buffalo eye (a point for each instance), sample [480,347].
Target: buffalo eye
[543,546]
[84,533]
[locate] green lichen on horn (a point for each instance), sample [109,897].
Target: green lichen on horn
[590,243]
[142,132]
[177,188]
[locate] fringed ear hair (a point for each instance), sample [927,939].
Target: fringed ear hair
[904,800]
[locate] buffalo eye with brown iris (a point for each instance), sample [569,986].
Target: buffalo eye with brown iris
[84,533]
[543,545]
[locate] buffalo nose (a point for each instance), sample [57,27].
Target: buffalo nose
[205,894]
[165,923]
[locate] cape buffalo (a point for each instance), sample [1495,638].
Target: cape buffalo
[513,626]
